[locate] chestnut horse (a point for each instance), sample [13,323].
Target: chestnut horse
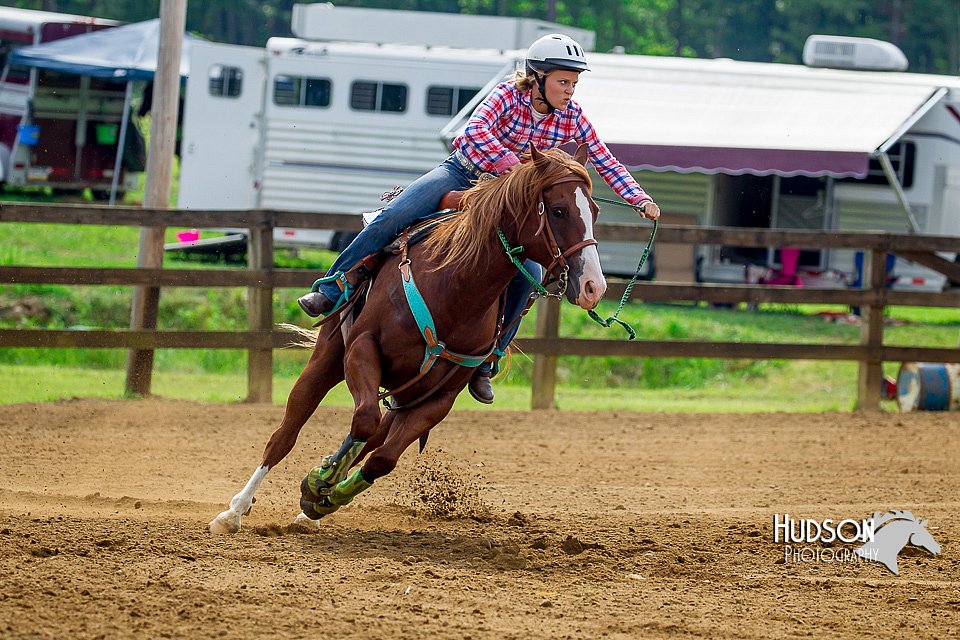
[542,210]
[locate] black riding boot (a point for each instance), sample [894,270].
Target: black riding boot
[480,387]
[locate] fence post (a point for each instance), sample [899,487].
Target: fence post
[260,316]
[870,376]
[144,312]
[544,366]
[163,125]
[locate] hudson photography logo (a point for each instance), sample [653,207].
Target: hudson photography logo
[880,538]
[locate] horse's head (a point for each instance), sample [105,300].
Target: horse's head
[565,215]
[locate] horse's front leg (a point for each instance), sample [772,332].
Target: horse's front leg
[362,373]
[322,372]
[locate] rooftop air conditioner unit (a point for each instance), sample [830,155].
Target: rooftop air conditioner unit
[841,52]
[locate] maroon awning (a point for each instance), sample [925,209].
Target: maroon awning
[784,162]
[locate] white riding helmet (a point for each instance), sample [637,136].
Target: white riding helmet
[556,51]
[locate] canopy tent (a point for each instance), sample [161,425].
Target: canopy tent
[722,116]
[125,53]
[128,53]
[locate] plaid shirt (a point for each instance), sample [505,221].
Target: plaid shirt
[502,126]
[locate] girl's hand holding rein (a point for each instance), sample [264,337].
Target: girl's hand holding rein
[648,209]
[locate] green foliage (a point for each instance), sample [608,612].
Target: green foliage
[809,387]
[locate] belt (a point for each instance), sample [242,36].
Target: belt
[468,165]
[465,162]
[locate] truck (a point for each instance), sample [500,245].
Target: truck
[57,130]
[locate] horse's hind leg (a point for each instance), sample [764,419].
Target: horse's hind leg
[406,428]
[362,373]
[322,372]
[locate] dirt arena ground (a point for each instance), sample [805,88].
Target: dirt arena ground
[511,525]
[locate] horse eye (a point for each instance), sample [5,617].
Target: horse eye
[557,211]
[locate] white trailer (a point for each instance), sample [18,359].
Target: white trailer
[59,126]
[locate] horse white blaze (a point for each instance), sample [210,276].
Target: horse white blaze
[229,520]
[592,283]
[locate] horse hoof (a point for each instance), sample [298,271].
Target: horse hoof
[316,510]
[319,489]
[302,520]
[224,523]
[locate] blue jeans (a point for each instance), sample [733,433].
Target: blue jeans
[422,199]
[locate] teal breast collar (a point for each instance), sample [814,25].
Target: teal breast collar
[435,348]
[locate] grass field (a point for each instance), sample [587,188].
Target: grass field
[698,384]
[814,392]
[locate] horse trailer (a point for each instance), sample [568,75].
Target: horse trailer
[765,145]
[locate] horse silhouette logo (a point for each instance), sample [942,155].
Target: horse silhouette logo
[893,531]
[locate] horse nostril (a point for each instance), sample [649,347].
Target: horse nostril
[593,290]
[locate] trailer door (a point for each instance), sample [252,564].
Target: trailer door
[222,127]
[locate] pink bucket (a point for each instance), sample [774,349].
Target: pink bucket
[189,236]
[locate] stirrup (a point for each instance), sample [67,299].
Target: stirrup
[346,290]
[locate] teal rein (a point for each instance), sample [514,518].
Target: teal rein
[513,252]
[626,292]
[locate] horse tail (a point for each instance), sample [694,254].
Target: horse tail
[305,338]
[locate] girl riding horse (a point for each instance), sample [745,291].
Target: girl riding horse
[535,109]
[424,310]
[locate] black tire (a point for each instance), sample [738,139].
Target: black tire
[65,193]
[104,196]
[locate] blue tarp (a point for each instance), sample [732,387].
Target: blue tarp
[123,53]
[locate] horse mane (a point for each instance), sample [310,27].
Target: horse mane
[486,204]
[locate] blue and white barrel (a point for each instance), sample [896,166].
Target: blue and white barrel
[928,386]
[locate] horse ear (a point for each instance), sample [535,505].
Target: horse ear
[582,154]
[538,158]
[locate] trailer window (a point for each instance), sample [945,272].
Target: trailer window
[902,157]
[378,96]
[316,92]
[448,101]
[18,74]
[301,92]
[225,82]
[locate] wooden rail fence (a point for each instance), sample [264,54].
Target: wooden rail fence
[261,278]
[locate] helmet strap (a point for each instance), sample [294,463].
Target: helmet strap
[542,85]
